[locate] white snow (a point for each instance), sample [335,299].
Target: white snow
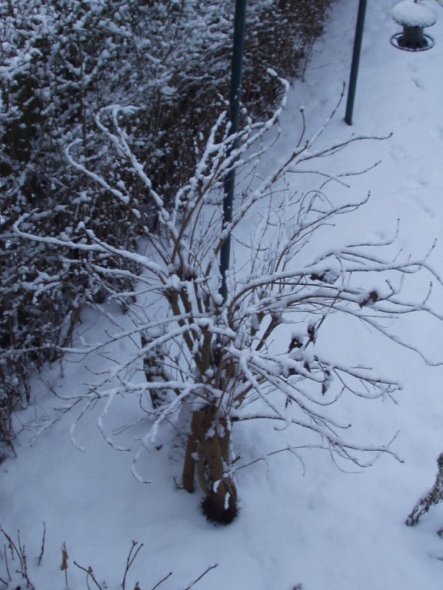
[415,14]
[303,523]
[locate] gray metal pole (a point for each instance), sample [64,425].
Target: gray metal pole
[234,106]
[355,61]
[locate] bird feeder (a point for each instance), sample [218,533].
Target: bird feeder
[414,16]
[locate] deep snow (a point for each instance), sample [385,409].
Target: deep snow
[316,526]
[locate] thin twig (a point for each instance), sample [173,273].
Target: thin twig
[130,560]
[211,567]
[19,550]
[89,574]
[4,582]
[5,552]
[42,549]
[161,581]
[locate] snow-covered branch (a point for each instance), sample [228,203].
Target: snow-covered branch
[261,353]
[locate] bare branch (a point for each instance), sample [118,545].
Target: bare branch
[201,576]
[89,575]
[132,556]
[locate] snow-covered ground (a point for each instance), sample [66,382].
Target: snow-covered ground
[305,524]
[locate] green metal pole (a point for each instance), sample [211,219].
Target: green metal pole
[355,61]
[234,107]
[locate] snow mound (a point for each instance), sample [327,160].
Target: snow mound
[414,14]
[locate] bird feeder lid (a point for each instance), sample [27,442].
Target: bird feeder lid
[414,14]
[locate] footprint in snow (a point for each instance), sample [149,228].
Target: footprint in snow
[418,83]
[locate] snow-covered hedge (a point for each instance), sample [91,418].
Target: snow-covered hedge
[60,62]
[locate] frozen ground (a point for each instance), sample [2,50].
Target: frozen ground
[316,525]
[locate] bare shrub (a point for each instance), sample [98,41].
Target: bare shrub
[224,361]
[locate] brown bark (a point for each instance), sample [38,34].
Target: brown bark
[208,451]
